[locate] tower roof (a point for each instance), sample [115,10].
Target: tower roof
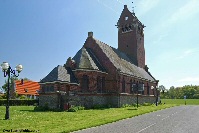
[128,17]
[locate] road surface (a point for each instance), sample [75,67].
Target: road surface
[180,119]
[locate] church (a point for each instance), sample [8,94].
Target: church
[102,75]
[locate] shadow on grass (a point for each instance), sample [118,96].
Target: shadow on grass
[27,110]
[44,110]
[98,108]
[133,109]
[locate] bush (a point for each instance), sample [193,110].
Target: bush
[146,104]
[196,96]
[20,102]
[39,108]
[135,105]
[126,105]
[80,107]
[73,109]
[46,108]
[97,106]
[22,97]
[101,106]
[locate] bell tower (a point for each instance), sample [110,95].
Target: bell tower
[131,37]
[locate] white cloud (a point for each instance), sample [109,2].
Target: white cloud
[120,2]
[188,10]
[107,6]
[160,38]
[187,52]
[185,12]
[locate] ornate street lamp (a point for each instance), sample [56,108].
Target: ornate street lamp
[7,72]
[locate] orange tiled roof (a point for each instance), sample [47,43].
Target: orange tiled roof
[27,88]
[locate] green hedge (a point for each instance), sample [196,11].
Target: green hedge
[16,102]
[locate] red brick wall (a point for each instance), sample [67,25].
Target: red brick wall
[105,62]
[92,75]
[112,84]
[127,84]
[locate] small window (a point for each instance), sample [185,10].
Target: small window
[126,18]
[26,90]
[51,88]
[123,30]
[147,89]
[131,89]
[99,84]
[123,86]
[103,85]
[85,83]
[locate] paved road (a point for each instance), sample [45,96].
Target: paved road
[181,119]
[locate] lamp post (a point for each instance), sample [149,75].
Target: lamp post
[157,89]
[7,72]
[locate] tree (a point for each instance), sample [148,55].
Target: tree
[12,79]
[162,88]
[179,92]
[172,92]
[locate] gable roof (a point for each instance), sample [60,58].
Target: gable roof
[86,59]
[122,62]
[83,60]
[59,74]
[27,88]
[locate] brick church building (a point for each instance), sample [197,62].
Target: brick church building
[102,75]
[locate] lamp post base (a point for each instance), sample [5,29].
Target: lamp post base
[7,115]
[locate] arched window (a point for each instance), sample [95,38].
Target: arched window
[147,88]
[43,88]
[123,86]
[51,88]
[134,89]
[99,84]
[103,85]
[85,83]
[144,89]
[131,83]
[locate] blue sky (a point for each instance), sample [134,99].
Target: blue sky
[41,34]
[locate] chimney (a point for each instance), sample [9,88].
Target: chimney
[21,81]
[90,34]
[146,68]
[125,6]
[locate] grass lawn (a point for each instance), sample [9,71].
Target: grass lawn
[23,117]
[181,101]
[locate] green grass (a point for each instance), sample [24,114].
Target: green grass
[23,117]
[181,101]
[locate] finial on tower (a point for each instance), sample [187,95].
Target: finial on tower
[133,9]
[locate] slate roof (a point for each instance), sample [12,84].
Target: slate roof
[121,61]
[85,59]
[27,88]
[59,73]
